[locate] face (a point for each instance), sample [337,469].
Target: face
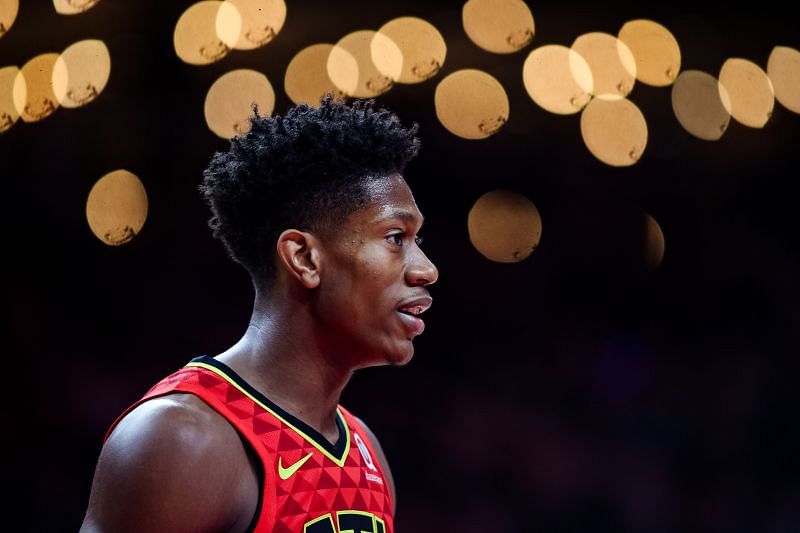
[373,278]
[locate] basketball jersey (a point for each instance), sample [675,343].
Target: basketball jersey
[308,485]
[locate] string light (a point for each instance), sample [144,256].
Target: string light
[655,50]
[614,131]
[116,208]
[499,26]
[751,97]
[701,105]
[558,79]
[421,46]
[504,226]
[611,62]
[81,72]
[471,104]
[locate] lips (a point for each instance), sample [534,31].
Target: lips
[409,311]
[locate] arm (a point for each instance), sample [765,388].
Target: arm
[172,464]
[382,458]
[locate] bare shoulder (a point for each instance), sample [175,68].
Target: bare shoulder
[382,458]
[172,464]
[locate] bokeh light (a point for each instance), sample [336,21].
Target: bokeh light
[8,14]
[750,91]
[654,243]
[611,62]
[8,111]
[471,104]
[229,101]
[499,26]
[206,32]
[116,208]
[614,131]
[504,226]
[783,68]
[351,68]
[73,7]
[33,88]
[228,24]
[306,79]
[387,56]
[558,79]
[422,50]
[697,101]
[81,73]
[655,50]
[261,21]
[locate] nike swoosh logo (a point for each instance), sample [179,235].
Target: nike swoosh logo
[286,473]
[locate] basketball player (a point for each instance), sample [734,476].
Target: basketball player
[313,204]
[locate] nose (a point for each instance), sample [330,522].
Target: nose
[420,270]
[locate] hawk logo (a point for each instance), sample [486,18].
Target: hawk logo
[364,452]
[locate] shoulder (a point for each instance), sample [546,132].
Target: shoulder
[382,458]
[172,464]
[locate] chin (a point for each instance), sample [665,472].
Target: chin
[400,357]
[397,352]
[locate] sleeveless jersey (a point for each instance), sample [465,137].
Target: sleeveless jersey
[308,484]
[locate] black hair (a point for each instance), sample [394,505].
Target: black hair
[305,170]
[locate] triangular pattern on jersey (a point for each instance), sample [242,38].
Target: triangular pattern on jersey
[332,479]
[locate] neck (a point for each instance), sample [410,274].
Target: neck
[281,355]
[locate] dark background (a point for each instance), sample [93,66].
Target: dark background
[573,391]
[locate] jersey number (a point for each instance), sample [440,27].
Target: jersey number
[348,522]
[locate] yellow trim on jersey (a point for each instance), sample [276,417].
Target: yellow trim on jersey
[362,513]
[329,516]
[339,462]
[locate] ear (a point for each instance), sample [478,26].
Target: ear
[298,252]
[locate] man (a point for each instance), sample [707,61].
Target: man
[314,206]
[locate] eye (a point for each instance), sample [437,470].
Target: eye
[396,238]
[418,240]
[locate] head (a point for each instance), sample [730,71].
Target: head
[313,204]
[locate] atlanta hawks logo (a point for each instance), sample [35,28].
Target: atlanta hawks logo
[364,452]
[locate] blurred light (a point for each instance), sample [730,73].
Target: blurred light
[422,50]
[307,79]
[197,37]
[499,26]
[229,101]
[81,73]
[655,50]
[117,207]
[228,24]
[611,62]
[8,14]
[386,55]
[33,88]
[750,91]
[8,111]
[261,21]
[654,243]
[471,104]
[504,226]
[351,69]
[614,131]
[73,7]
[783,68]
[697,100]
[558,79]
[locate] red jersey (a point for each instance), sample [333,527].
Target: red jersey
[308,484]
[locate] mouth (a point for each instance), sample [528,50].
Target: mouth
[409,312]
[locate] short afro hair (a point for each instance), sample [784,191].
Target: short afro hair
[305,170]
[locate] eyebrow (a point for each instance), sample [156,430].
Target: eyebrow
[405,216]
